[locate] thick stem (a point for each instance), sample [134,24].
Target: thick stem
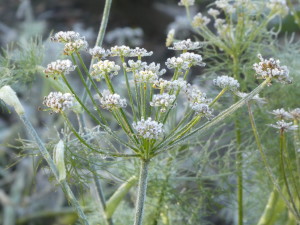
[269,209]
[140,202]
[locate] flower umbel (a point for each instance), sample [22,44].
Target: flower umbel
[148,129]
[58,101]
[284,126]
[59,67]
[103,68]
[112,101]
[163,100]
[226,82]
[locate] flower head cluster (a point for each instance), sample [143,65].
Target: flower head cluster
[170,37]
[111,101]
[148,129]
[226,82]
[279,6]
[58,101]
[155,68]
[281,114]
[163,100]
[226,6]
[213,12]
[169,85]
[139,52]
[98,52]
[295,113]
[186,45]
[284,126]
[186,3]
[192,59]
[270,68]
[123,51]
[134,66]
[59,67]
[145,76]
[75,46]
[176,63]
[200,21]
[103,68]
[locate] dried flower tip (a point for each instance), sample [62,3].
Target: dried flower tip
[295,113]
[58,101]
[145,76]
[163,100]
[98,52]
[213,12]
[134,66]
[200,21]
[270,68]
[170,37]
[278,6]
[186,3]
[226,82]
[192,59]
[186,45]
[139,52]
[112,101]
[254,98]
[122,51]
[284,126]
[148,129]
[66,36]
[59,67]
[9,96]
[102,68]
[281,114]
[75,46]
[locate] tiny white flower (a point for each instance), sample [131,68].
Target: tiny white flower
[101,68]
[145,76]
[284,126]
[123,51]
[192,59]
[139,52]
[200,21]
[111,101]
[163,100]
[59,67]
[99,52]
[226,6]
[186,3]
[186,45]
[75,46]
[58,101]
[226,82]
[66,36]
[281,114]
[148,129]
[177,63]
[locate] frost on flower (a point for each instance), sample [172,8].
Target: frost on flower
[58,101]
[281,114]
[75,46]
[279,6]
[186,45]
[169,85]
[284,126]
[59,67]
[98,52]
[270,68]
[102,68]
[66,36]
[295,113]
[163,100]
[123,51]
[111,101]
[199,20]
[186,2]
[213,12]
[192,59]
[148,129]
[226,82]
[145,76]
[170,37]
[139,52]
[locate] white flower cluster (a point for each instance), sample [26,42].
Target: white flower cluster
[103,68]
[279,6]
[59,67]
[295,113]
[134,66]
[73,41]
[145,76]
[139,52]
[226,6]
[125,51]
[281,114]
[270,68]
[284,126]
[99,52]
[192,59]
[58,101]
[200,21]
[163,100]
[169,85]
[186,2]
[148,129]
[112,101]
[186,45]
[155,68]
[226,82]
[176,63]
[170,37]
[213,12]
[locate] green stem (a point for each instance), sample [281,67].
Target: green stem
[269,209]
[142,189]
[67,190]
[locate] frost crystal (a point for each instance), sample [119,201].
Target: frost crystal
[199,20]
[148,129]
[270,68]
[186,2]
[226,82]
[75,46]
[59,67]
[99,52]
[281,114]
[192,59]
[145,76]
[66,36]
[284,126]
[163,100]
[186,45]
[111,101]
[102,68]
[58,101]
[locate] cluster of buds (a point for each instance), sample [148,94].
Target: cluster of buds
[58,101]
